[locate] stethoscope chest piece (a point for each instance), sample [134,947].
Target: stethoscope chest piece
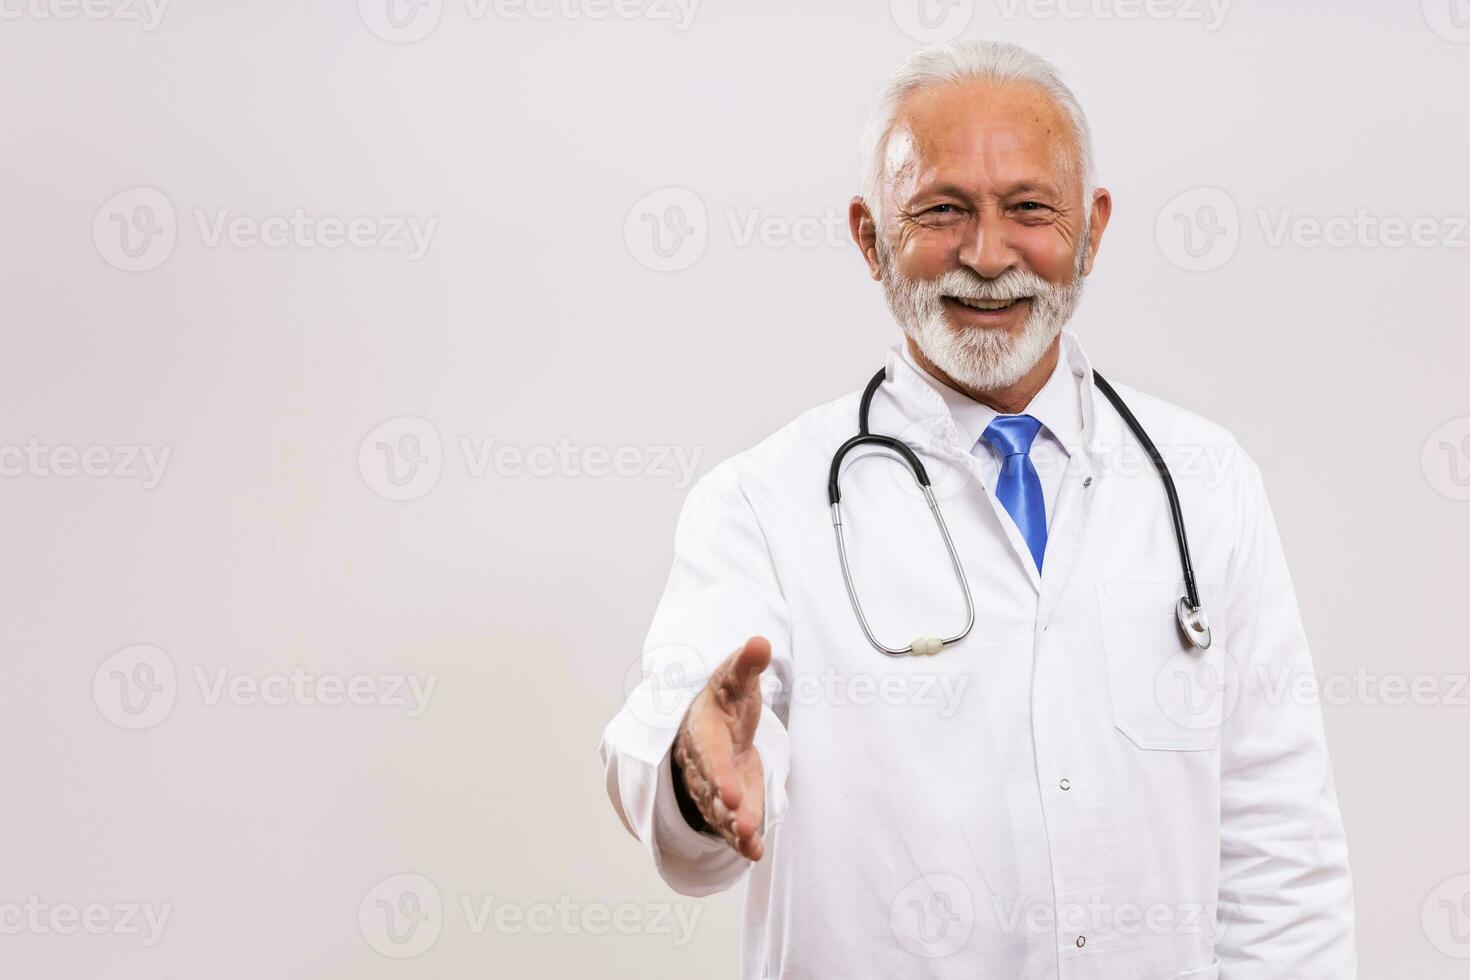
[1194,623]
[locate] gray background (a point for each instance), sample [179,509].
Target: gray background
[536,318]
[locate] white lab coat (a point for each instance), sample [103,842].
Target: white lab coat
[1070,792]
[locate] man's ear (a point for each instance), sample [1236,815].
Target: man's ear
[865,233]
[1102,209]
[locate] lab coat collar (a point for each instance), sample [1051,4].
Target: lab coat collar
[1057,406]
[936,414]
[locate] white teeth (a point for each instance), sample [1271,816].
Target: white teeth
[985,304]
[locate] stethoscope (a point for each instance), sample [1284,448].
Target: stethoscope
[1191,616]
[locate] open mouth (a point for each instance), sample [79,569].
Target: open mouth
[986,305]
[984,309]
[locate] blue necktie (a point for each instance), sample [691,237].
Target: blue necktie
[1019,488]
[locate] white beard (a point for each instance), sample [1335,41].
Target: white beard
[981,358]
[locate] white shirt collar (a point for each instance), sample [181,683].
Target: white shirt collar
[1058,406]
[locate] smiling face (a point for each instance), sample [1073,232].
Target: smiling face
[985,237]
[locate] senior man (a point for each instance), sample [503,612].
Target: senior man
[1073,789]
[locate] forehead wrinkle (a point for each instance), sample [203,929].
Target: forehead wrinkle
[1007,121]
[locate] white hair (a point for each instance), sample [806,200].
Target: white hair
[959,61]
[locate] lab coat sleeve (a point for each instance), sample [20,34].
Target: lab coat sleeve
[721,591]
[1286,896]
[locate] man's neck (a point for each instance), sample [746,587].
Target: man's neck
[1010,400]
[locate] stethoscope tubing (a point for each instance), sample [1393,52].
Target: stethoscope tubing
[1192,619]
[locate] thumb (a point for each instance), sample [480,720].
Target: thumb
[743,676]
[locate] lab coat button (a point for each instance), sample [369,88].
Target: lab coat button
[1087,482]
[1081,941]
[1066,784]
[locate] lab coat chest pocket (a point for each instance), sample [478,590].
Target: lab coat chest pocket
[1166,693]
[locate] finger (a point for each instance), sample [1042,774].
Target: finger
[750,818]
[723,822]
[742,678]
[714,756]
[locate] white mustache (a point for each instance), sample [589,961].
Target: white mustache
[1013,284]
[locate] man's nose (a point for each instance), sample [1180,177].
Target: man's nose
[987,249]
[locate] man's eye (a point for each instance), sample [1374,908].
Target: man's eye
[942,209]
[1031,206]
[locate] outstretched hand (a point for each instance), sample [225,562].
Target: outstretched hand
[715,753]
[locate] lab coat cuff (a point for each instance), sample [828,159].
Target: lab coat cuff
[672,835]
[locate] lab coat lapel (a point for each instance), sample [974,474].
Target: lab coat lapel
[1007,526]
[1069,525]
[1065,535]
[915,413]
